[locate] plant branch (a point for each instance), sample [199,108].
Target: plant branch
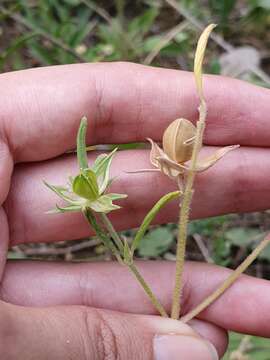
[147,290]
[132,267]
[109,226]
[184,214]
[118,254]
[100,11]
[164,41]
[100,233]
[188,190]
[228,282]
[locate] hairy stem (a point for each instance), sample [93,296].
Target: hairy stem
[119,253]
[155,302]
[184,214]
[132,267]
[100,233]
[109,226]
[228,282]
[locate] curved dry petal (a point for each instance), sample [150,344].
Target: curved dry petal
[155,152]
[209,161]
[170,167]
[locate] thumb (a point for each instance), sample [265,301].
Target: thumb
[72,332]
[6,167]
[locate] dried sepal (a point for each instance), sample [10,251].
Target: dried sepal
[206,163]
[160,160]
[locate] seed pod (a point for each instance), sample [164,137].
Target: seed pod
[178,140]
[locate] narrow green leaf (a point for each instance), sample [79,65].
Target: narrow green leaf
[81,146]
[85,185]
[151,215]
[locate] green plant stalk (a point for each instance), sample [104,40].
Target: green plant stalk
[228,282]
[132,267]
[109,226]
[184,214]
[155,302]
[103,237]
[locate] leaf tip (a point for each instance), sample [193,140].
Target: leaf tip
[199,56]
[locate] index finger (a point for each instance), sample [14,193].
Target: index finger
[40,109]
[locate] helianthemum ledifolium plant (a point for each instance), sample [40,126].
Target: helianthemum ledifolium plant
[88,193]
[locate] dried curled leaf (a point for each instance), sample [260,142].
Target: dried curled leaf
[199,56]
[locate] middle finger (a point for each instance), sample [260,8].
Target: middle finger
[238,183]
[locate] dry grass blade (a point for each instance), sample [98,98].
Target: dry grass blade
[169,36]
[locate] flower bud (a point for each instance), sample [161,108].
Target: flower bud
[178,140]
[85,185]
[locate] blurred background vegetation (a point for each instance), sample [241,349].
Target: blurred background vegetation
[161,33]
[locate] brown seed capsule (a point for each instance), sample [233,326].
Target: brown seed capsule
[178,140]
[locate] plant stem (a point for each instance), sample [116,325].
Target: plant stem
[228,282]
[118,241]
[132,267]
[184,214]
[103,237]
[147,290]
[117,253]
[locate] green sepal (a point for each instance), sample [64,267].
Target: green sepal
[81,146]
[101,168]
[104,203]
[85,185]
[150,216]
[59,209]
[61,192]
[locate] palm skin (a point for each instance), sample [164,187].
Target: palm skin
[40,110]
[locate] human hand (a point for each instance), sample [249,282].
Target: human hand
[40,111]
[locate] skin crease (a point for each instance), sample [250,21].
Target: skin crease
[39,124]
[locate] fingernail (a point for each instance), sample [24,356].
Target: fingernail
[175,347]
